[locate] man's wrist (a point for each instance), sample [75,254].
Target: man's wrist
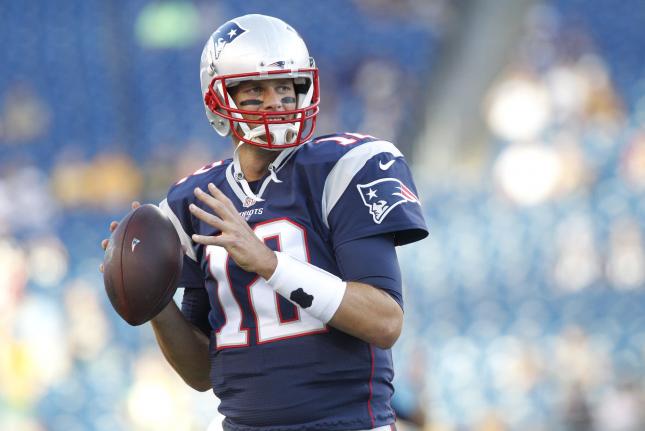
[166,314]
[268,265]
[315,290]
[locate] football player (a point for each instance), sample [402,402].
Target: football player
[292,295]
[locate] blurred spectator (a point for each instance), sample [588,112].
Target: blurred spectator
[26,203]
[577,412]
[383,88]
[87,325]
[633,162]
[410,397]
[168,24]
[577,262]
[48,261]
[490,422]
[170,163]
[24,115]
[435,14]
[110,182]
[626,256]
[35,356]
[13,280]
[621,407]
[579,365]
[158,400]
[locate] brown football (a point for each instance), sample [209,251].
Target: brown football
[142,264]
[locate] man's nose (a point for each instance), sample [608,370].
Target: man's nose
[273,100]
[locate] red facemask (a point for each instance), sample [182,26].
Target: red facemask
[302,119]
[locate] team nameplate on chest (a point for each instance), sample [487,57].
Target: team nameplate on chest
[248,214]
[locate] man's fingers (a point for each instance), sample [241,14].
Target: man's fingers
[215,204]
[208,240]
[112,227]
[206,217]
[218,194]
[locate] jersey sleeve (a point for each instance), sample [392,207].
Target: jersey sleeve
[191,274]
[370,191]
[175,206]
[372,260]
[195,305]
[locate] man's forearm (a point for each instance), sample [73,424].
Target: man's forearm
[184,346]
[370,314]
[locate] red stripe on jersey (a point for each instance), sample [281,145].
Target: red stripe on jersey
[369,400]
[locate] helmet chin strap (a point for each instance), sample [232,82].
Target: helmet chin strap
[272,168]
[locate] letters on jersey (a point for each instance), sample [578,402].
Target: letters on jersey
[272,363]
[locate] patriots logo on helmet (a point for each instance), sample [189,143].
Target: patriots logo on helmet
[383,195]
[279,64]
[226,34]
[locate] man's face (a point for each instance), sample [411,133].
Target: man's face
[265,95]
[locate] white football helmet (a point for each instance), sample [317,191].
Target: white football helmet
[255,47]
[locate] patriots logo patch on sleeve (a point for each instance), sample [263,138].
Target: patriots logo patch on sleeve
[383,195]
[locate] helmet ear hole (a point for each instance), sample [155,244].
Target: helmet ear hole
[301,85]
[220,124]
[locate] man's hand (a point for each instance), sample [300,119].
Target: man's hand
[112,227]
[236,236]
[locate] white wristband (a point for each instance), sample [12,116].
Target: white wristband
[315,290]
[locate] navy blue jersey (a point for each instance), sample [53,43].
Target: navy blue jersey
[273,366]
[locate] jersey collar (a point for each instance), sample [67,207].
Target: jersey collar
[240,185]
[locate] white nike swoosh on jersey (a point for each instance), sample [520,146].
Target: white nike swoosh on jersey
[386,166]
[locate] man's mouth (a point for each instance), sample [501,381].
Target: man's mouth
[279,117]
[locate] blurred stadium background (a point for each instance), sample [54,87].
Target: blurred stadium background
[525,124]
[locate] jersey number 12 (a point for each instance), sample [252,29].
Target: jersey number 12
[292,239]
